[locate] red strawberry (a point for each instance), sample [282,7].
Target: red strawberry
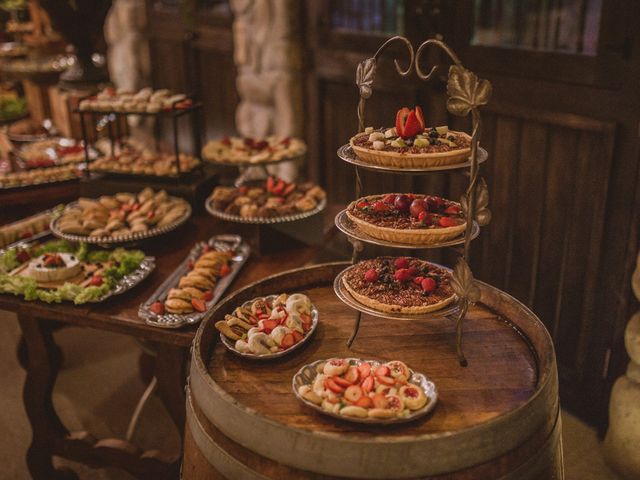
[428,284]
[343,382]
[452,210]
[297,336]
[208,295]
[402,275]
[243,189]
[371,275]
[364,402]
[420,117]
[279,188]
[198,304]
[425,218]
[379,207]
[401,262]
[96,280]
[390,198]
[271,182]
[368,383]
[224,270]
[365,369]
[157,308]
[447,222]
[362,204]
[412,271]
[418,280]
[287,341]
[333,386]
[268,325]
[401,119]
[407,124]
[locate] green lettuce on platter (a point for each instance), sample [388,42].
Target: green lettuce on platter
[122,262]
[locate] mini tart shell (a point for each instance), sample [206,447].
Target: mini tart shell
[425,236]
[387,308]
[412,160]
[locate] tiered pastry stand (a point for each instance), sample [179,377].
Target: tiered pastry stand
[466,94]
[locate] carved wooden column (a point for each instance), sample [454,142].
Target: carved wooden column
[267,53]
[622,443]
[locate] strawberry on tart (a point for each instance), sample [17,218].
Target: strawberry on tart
[411,144]
[408,218]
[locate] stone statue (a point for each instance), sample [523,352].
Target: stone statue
[267,53]
[622,443]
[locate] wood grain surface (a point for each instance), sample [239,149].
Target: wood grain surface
[501,373]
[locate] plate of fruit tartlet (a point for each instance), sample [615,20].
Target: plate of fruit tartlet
[411,144]
[397,287]
[365,391]
[241,151]
[411,219]
[269,327]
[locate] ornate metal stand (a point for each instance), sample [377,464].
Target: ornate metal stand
[466,93]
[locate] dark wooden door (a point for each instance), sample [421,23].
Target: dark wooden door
[562,131]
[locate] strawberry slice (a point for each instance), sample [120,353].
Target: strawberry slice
[279,188]
[368,383]
[382,371]
[448,222]
[268,325]
[198,304]
[157,308]
[271,182]
[343,382]
[402,275]
[412,126]
[452,210]
[386,380]
[428,284]
[353,393]
[379,401]
[365,369]
[420,117]
[287,341]
[297,336]
[333,386]
[208,296]
[96,280]
[353,375]
[401,120]
[364,402]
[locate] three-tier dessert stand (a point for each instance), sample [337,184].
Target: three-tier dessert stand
[466,93]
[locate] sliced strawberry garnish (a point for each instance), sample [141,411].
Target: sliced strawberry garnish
[208,296]
[157,308]
[389,199]
[368,383]
[268,325]
[279,188]
[198,304]
[428,284]
[386,380]
[379,401]
[425,218]
[96,280]
[447,222]
[382,371]
[420,117]
[343,382]
[379,207]
[452,210]
[401,120]
[418,280]
[287,341]
[333,386]
[365,369]
[364,402]
[271,182]
[402,274]
[353,393]
[297,336]
[352,375]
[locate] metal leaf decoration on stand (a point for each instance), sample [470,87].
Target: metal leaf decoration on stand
[462,282]
[466,91]
[483,214]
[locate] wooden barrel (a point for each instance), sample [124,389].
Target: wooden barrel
[497,418]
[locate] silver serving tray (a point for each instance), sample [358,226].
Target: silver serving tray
[125,284]
[263,220]
[347,154]
[230,344]
[307,374]
[173,320]
[132,237]
[344,295]
[345,225]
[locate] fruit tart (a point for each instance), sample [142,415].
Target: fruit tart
[250,150]
[408,218]
[367,389]
[410,144]
[399,285]
[270,325]
[271,198]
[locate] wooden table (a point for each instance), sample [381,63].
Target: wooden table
[120,314]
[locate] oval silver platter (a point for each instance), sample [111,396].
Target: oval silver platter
[347,154]
[123,239]
[307,374]
[344,295]
[173,320]
[348,227]
[263,220]
[230,344]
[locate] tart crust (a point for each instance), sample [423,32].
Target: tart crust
[412,160]
[426,236]
[390,308]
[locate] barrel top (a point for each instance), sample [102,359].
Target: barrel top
[501,376]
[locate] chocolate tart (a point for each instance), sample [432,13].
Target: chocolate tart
[388,294]
[393,225]
[411,156]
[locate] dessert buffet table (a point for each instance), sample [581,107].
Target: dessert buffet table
[496,418]
[120,314]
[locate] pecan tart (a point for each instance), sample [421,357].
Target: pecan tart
[412,219]
[410,144]
[399,285]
